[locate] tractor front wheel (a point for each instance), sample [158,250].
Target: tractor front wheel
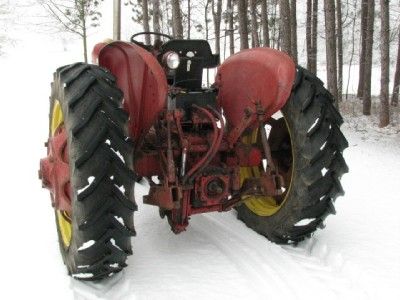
[307,146]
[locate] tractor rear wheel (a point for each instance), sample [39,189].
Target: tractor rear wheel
[307,146]
[95,235]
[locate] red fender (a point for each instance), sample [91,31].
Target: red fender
[140,77]
[255,75]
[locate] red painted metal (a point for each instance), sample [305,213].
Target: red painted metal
[255,75]
[142,80]
[147,165]
[212,189]
[54,171]
[216,141]
[96,52]
[160,196]
[245,156]
[198,160]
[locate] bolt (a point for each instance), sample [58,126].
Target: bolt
[214,187]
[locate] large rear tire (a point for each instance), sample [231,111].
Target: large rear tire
[317,166]
[95,237]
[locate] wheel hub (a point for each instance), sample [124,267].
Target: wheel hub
[54,171]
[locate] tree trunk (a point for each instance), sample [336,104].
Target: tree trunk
[167,22]
[217,24]
[177,26]
[308,34]
[330,38]
[229,8]
[206,22]
[156,15]
[384,117]
[189,12]
[255,41]
[146,23]
[243,22]
[286,35]
[264,23]
[352,49]
[369,40]
[117,20]
[361,76]
[293,29]
[396,81]
[85,51]
[274,22]
[339,37]
[314,37]
[82,16]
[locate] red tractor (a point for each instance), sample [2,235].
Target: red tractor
[264,139]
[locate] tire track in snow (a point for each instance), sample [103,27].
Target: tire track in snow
[288,271]
[245,262]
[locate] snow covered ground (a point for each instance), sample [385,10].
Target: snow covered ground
[357,256]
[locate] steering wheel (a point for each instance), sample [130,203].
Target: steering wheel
[133,40]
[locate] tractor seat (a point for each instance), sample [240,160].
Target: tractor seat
[195,56]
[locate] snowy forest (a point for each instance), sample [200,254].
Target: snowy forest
[352,46]
[348,39]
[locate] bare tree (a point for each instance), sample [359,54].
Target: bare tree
[117,19]
[229,10]
[369,40]
[293,29]
[330,38]
[308,34]
[4,12]
[339,36]
[189,13]
[167,21]
[311,35]
[264,23]
[354,18]
[156,15]
[364,18]
[314,37]
[74,16]
[243,23]
[384,117]
[146,22]
[275,31]
[285,28]
[255,41]
[177,19]
[206,7]
[206,20]
[396,81]
[217,12]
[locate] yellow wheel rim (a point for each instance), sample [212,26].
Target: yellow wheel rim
[63,220]
[263,206]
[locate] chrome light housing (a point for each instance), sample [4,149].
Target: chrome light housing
[172,60]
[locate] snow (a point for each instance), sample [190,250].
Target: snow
[304,222]
[86,245]
[120,220]
[121,188]
[90,181]
[108,142]
[313,125]
[357,255]
[83,275]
